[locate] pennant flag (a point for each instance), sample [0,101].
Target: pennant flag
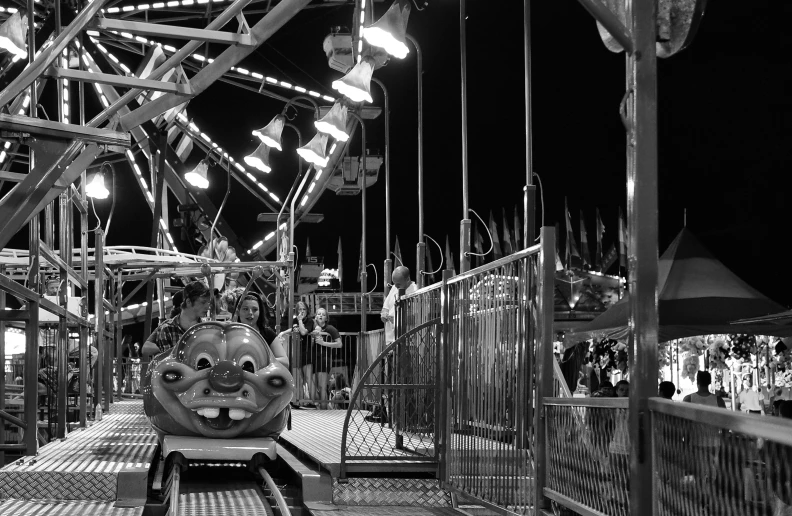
[571,246]
[600,232]
[430,277]
[307,247]
[360,262]
[397,256]
[518,231]
[622,241]
[493,229]
[478,246]
[340,265]
[584,242]
[610,258]
[449,257]
[507,238]
[559,263]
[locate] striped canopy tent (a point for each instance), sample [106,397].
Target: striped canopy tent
[698,296]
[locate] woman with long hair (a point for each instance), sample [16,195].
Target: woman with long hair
[322,351]
[250,310]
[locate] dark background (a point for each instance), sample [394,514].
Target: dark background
[723,133]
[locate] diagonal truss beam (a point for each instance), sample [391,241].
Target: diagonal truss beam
[48,55]
[174,31]
[610,21]
[261,32]
[119,80]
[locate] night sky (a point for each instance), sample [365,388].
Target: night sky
[723,141]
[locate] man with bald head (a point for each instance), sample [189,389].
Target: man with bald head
[402,284]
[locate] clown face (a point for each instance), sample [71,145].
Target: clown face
[221,381]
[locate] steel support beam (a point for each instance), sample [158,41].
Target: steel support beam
[612,24]
[51,53]
[175,32]
[261,32]
[642,247]
[59,130]
[118,80]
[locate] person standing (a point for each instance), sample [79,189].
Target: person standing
[402,284]
[748,400]
[322,362]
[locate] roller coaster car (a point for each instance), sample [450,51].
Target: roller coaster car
[218,394]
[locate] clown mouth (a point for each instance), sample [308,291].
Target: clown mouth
[221,418]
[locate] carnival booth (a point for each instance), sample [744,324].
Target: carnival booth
[699,300]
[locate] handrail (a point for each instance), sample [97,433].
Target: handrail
[770,428]
[618,403]
[13,420]
[559,376]
[353,398]
[528,251]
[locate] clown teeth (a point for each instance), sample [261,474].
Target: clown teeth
[236,414]
[209,413]
[247,415]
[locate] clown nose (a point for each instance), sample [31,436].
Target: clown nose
[226,377]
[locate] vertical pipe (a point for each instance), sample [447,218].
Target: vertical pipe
[544,357]
[420,255]
[84,366]
[2,371]
[119,337]
[99,341]
[642,252]
[63,329]
[529,199]
[464,228]
[363,273]
[388,266]
[286,200]
[443,387]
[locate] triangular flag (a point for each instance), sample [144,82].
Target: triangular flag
[622,241]
[610,258]
[507,238]
[600,232]
[397,256]
[584,242]
[559,263]
[478,246]
[430,277]
[518,231]
[571,246]
[360,262]
[449,257]
[493,229]
[340,265]
[307,247]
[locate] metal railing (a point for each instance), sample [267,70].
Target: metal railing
[710,461]
[400,430]
[321,373]
[587,456]
[490,335]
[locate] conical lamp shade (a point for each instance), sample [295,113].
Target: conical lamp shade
[270,135]
[259,158]
[356,85]
[96,187]
[390,31]
[334,122]
[12,35]
[314,151]
[197,177]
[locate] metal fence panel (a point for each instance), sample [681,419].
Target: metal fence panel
[322,375]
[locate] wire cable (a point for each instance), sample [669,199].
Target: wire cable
[394,255]
[492,244]
[112,193]
[376,278]
[541,197]
[441,257]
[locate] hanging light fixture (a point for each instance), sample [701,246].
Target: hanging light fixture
[314,150]
[390,31]
[356,85]
[96,187]
[334,122]
[259,158]
[270,134]
[12,35]
[197,177]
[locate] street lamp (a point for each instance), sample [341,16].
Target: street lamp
[12,35]
[363,273]
[259,158]
[197,176]
[356,85]
[388,267]
[389,32]
[334,122]
[314,151]
[270,134]
[96,187]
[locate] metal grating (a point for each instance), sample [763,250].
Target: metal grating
[65,508]
[391,491]
[388,511]
[85,465]
[237,499]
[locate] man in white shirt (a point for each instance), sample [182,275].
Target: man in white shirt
[401,282]
[749,399]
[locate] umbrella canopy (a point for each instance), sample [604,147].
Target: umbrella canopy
[698,296]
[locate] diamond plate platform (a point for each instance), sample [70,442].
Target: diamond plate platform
[341,510]
[65,508]
[391,492]
[86,464]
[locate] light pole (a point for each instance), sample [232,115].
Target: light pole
[420,255]
[363,272]
[388,267]
[529,199]
[464,227]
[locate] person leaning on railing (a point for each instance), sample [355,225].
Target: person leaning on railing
[323,355]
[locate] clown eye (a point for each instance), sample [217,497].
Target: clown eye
[276,382]
[248,364]
[171,376]
[204,361]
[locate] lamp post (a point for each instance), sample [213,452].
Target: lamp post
[388,267]
[529,199]
[464,227]
[291,191]
[363,272]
